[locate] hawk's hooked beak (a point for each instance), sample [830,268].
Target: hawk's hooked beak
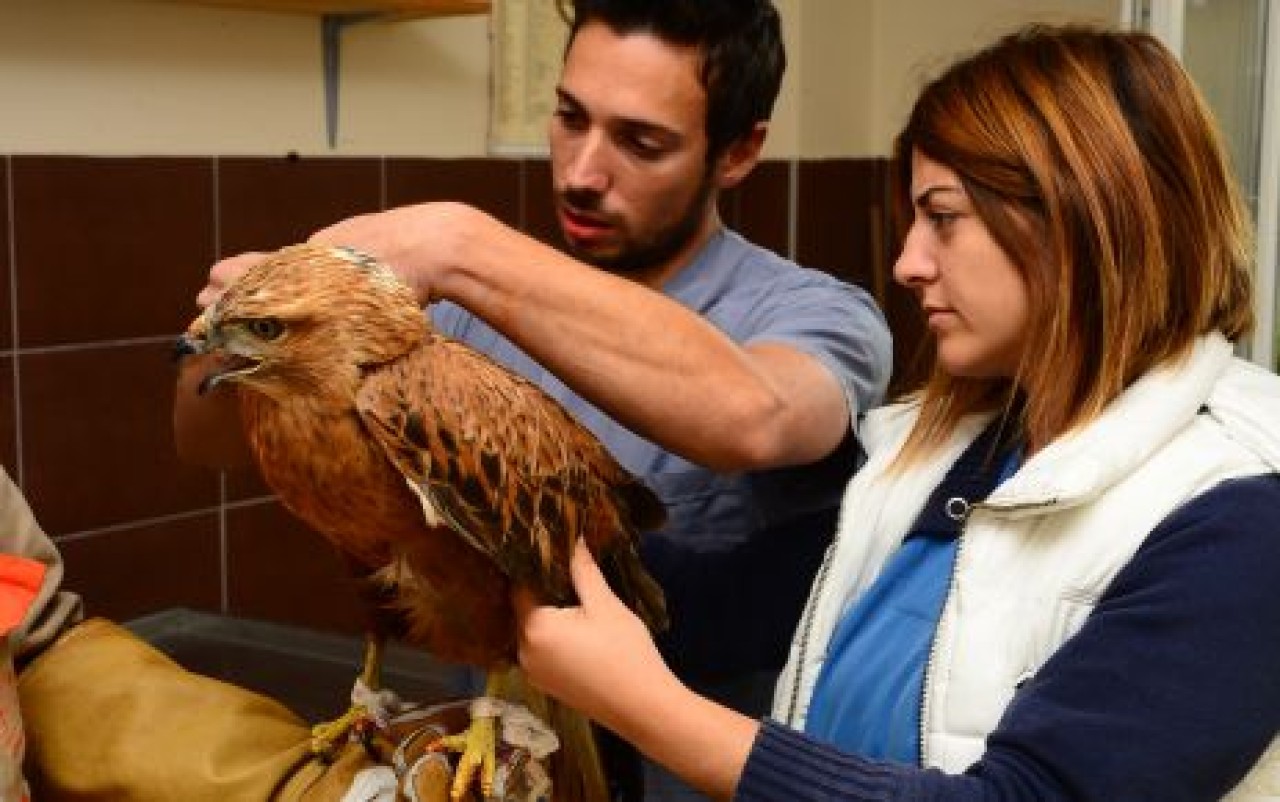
[187,345]
[226,366]
[195,340]
[230,367]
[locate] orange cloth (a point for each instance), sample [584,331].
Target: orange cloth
[20,581]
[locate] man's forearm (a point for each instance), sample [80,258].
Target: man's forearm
[646,360]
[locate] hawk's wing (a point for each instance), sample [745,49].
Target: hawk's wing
[502,464]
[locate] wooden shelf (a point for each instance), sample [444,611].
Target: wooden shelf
[394,9]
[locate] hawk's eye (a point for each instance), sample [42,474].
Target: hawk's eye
[266,328]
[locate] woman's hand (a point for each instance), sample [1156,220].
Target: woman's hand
[598,657]
[582,655]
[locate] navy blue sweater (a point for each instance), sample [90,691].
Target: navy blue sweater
[1170,691]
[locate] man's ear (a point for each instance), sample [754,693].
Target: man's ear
[741,157]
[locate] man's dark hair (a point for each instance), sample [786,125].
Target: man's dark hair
[741,44]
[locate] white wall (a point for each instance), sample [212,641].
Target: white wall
[861,62]
[109,77]
[130,77]
[908,53]
[835,66]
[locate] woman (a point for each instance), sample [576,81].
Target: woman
[1058,574]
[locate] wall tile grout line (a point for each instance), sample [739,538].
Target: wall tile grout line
[19,468]
[96,345]
[215,164]
[224,559]
[224,549]
[250,503]
[793,206]
[85,534]
[136,523]
[382,182]
[522,195]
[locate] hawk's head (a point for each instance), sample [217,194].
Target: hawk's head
[308,319]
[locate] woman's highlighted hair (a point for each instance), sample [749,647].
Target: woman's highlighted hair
[1096,166]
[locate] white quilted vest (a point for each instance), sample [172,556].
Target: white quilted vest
[1036,556]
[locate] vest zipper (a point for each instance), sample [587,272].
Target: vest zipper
[806,627]
[1022,505]
[925,696]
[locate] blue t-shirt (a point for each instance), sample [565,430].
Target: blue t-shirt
[739,550]
[868,696]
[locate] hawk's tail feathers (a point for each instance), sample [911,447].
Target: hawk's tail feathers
[627,576]
[645,510]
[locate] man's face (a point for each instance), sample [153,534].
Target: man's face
[634,193]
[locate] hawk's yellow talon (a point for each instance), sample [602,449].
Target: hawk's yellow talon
[327,736]
[478,751]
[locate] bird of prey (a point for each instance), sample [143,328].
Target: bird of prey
[435,470]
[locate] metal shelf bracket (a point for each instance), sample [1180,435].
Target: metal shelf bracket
[331,29]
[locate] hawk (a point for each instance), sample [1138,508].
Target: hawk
[438,473]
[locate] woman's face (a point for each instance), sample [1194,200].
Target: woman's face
[974,297]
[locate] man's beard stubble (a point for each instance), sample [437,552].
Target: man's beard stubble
[638,258]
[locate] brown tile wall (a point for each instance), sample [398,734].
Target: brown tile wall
[100,260]
[8,408]
[6,312]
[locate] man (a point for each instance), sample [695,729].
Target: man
[726,377]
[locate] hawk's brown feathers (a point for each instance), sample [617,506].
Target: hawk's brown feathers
[418,456]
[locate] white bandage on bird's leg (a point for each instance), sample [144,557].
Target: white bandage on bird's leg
[539,781]
[507,766]
[487,707]
[520,727]
[381,705]
[521,778]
